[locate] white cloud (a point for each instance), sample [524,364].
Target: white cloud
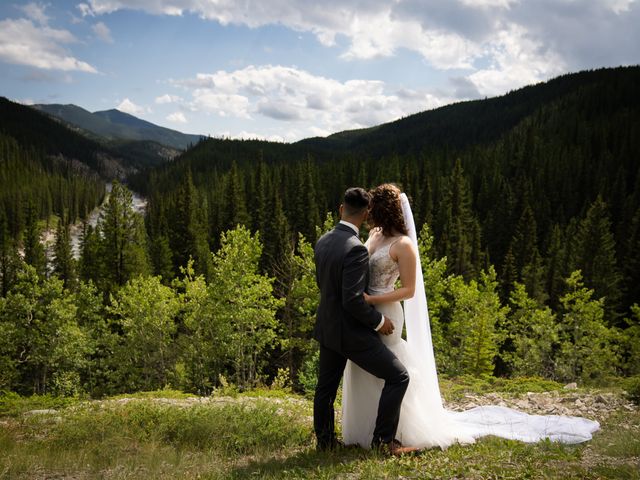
[383,34]
[127,106]
[85,10]
[448,34]
[36,12]
[306,103]
[517,61]
[102,32]
[177,117]
[619,6]
[166,98]
[221,104]
[23,43]
[374,31]
[489,3]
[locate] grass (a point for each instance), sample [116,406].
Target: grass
[267,434]
[456,388]
[12,404]
[166,393]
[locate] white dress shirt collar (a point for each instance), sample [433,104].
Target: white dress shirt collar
[351,226]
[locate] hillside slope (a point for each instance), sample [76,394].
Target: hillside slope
[117,125]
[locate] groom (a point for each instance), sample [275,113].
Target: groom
[346,328]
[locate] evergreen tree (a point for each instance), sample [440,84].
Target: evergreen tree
[236,202]
[525,239]
[534,277]
[34,253]
[277,237]
[476,312]
[477,255]
[631,265]
[260,213]
[188,232]
[509,274]
[306,200]
[161,257]
[585,351]
[458,224]
[63,261]
[123,239]
[530,336]
[631,342]
[596,257]
[8,257]
[426,209]
[556,266]
[91,260]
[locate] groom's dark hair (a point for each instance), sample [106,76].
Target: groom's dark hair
[356,200]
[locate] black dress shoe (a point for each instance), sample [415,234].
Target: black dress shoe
[393,448]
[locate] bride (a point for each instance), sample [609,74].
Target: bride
[424,422]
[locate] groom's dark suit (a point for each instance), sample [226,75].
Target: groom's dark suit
[345,327]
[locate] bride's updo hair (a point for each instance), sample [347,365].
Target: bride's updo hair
[385,210]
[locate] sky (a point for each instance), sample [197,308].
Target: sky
[284,70]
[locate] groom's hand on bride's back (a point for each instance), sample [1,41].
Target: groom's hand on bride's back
[386,328]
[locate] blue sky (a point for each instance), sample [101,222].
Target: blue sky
[290,69]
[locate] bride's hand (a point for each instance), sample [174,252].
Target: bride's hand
[368,298]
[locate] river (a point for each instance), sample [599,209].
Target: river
[75,229]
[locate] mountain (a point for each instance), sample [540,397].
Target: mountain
[47,169]
[34,129]
[117,125]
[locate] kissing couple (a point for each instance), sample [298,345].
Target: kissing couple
[391,398]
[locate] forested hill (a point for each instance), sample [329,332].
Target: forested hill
[32,129]
[538,183]
[119,126]
[110,156]
[45,170]
[467,123]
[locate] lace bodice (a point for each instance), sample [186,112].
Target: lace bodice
[383,270]
[383,273]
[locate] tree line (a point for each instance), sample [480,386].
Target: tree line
[120,328]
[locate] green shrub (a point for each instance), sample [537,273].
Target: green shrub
[12,404]
[308,376]
[632,387]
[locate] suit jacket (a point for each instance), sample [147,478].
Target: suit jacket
[344,320]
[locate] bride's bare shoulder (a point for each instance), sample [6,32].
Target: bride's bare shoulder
[403,241]
[402,246]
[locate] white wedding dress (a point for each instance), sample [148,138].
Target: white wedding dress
[424,422]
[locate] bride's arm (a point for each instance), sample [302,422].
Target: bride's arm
[406,258]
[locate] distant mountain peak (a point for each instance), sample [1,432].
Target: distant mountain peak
[114,124]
